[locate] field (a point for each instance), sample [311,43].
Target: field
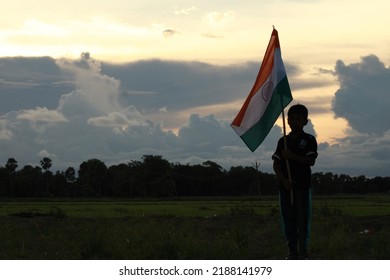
[202,228]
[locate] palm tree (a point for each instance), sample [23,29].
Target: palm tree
[46,164]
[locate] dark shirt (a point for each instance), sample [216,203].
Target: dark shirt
[304,145]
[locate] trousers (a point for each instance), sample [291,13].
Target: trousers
[296,218]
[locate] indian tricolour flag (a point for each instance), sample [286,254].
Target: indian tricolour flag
[269,96]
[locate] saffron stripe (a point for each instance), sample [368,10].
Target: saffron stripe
[264,72]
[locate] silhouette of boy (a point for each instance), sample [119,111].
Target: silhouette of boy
[301,154]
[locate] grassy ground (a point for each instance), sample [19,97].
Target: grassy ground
[194,229]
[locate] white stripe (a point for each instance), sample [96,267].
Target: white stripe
[258,105]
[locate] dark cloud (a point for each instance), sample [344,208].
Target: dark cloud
[85,61]
[363,97]
[182,85]
[74,110]
[148,84]
[169,33]
[31,82]
[205,131]
[357,154]
[29,69]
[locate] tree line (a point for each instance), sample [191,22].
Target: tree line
[153,177]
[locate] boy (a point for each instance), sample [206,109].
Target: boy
[301,153]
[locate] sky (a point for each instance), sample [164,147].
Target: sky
[116,80]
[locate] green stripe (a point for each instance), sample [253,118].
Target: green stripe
[281,97]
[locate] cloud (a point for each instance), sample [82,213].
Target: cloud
[88,122]
[5,132]
[93,87]
[31,82]
[186,11]
[212,36]
[205,131]
[45,153]
[119,112]
[356,154]
[169,33]
[363,96]
[174,83]
[41,114]
[130,117]
[183,86]
[220,19]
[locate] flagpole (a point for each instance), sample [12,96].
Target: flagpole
[287,161]
[285,148]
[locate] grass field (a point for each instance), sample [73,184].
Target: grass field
[203,228]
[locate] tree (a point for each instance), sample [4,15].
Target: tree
[29,182]
[46,165]
[70,175]
[241,181]
[11,166]
[4,181]
[119,179]
[213,178]
[156,175]
[59,184]
[215,167]
[92,176]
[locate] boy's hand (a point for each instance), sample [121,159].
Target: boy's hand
[287,154]
[287,184]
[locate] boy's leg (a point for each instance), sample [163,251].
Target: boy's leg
[303,208]
[289,223]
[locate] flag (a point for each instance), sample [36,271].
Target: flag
[269,96]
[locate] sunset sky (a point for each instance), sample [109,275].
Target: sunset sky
[106,75]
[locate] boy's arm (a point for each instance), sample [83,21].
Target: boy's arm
[307,160]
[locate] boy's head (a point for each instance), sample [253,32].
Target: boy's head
[297,117]
[298,109]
